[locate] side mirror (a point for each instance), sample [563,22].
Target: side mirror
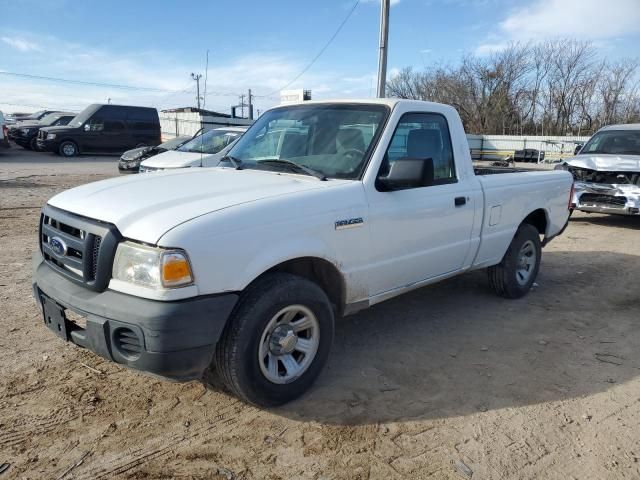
[407,173]
[87,127]
[576,150]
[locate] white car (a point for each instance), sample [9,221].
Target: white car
[4,132]
[607,171]
[205,150]
[247,266]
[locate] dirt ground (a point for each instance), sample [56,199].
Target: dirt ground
[449,381]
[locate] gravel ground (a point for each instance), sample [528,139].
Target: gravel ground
[445,382]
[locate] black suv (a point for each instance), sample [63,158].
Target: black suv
[103,129]
[26,133]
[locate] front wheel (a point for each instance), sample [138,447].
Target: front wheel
[277,341]
[68,149]
[515,274]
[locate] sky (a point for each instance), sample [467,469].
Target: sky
[152,47]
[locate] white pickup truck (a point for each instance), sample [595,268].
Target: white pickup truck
[321,209]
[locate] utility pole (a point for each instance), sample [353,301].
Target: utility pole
[384,38]
[197,79]
[250,106]
[242,106]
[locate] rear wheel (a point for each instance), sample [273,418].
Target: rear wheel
[277,341]
[68,149]
[515,274]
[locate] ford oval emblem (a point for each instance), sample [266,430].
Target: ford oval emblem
[58,246]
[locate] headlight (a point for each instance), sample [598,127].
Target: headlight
[151,267]
[51,136]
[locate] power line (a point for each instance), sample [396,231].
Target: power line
[82,82]
[304,70]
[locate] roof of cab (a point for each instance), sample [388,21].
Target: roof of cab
[390,102]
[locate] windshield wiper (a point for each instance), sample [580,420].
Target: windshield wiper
[295,166]
[236,162]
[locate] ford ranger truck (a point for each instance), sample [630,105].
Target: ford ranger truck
[320,210]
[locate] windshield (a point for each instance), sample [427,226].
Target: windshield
[35,116]
[50,119]
[615,142]
[210,142]
[334,140]
[83,116]
[173,143]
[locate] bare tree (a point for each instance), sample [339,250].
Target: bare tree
[552,88]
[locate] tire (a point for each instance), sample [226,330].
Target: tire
[515,274]
[33,144]
[249,343]
[68,149]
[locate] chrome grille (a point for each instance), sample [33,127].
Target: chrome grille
[601,199]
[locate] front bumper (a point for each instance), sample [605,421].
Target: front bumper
[48,145]
[174,339]
[129,166]
[618,199]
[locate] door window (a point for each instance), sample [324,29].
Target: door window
[422,136]
[96,124]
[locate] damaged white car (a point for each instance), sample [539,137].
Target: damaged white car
[607,171]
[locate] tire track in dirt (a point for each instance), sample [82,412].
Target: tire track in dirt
[40,427]
[231,416]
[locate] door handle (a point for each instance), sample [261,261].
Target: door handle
[460,201]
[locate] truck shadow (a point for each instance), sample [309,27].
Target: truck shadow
[455,348]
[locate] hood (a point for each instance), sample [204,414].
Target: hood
[27,123]
[606,163]
[145,207]
[135,153]
[176,159]
[59,128]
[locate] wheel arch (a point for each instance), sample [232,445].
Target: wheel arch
[320,271]
[538,219]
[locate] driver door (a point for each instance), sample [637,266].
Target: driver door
[421,232]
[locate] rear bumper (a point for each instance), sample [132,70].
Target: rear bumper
[175,339]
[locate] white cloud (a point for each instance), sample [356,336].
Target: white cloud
[264,73]
[21,44]
[489,48]
[580,19]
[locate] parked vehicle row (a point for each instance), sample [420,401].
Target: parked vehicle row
[25,133]
[109,129]
[204,150]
